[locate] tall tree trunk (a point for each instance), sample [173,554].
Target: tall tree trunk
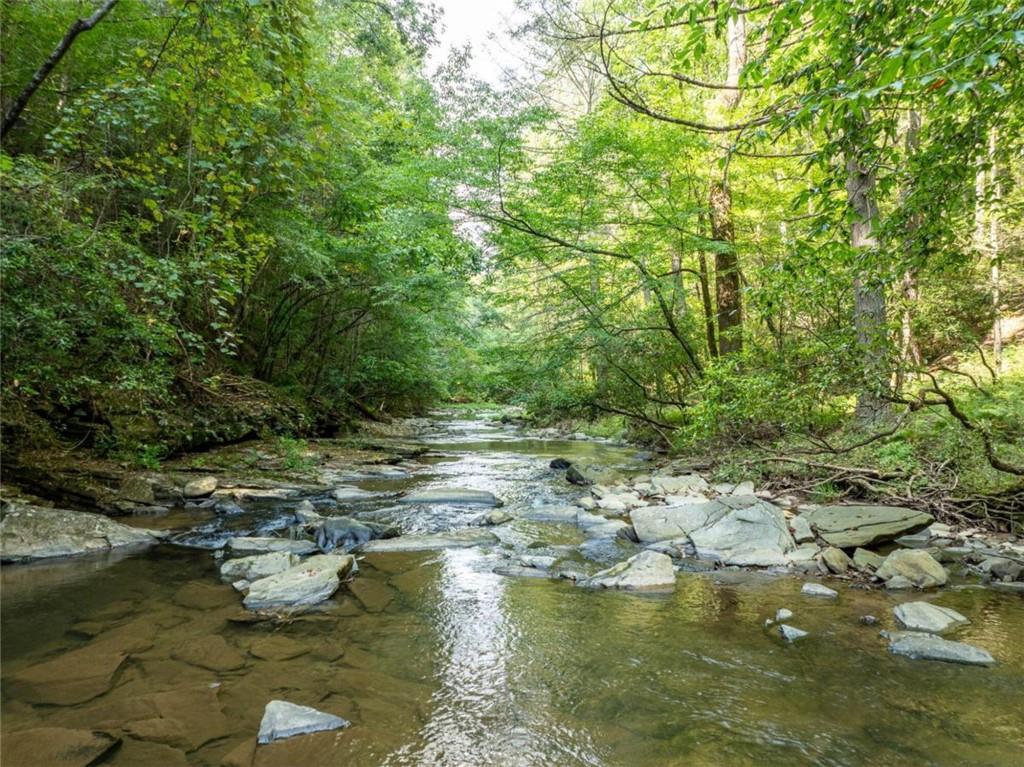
[728,292]
[709,311]
[868,290]
[910,354]
[727,271]
[994,257]
[78,27]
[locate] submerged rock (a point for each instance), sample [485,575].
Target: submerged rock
[848,526]
[55,747]
[452,495]
[282,719]
[200,488]
[931,647]
[917,566]
[924,616]
[308,583]
[454,539]
[349,493]
[211,652]
[346,533]
[32,532]
[791,633]
[817,590]
[646,570]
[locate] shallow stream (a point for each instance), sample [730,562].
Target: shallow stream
[438,661]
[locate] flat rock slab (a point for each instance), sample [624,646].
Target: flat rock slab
[257,566]
[456,539]
[277,648]
[648,570]
[249,545]
[452,495]
[31,532]
[924,616]
[306,584]
[931,647]
[282,719]
[349,493]
[54,747]
[199,595]
[848,526]
[372,595]
[184,719]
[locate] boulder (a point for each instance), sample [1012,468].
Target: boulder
[257,566]
[931,647]
[801,528]
[743,488]
[647,570]
[348,493]
[835,560]
[867,560]
[493,518]
[687,483]
[454,539]
[454,496]
[54,747]
[898,583]
[136,490]
[733,529]
[581,475]
[848,526]
[924,616]
[560,464]
[308,583]
[200,488]
[282,719]
[244,544]
[1001,568]
[817,590]
[783,614]
[917,566]
[345,533]
[32,532]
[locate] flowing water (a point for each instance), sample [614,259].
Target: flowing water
[436,660]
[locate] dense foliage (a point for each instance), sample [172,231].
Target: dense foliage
[748,221]
[212,203]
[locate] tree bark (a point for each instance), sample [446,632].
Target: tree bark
[79,26]
[727,271]
[994,258]
[709,312]
[868,290]
[910,353]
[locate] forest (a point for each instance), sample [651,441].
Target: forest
[644,389]
[788,230]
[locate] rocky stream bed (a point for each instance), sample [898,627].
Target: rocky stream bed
[476,593]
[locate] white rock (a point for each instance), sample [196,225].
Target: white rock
[783,614]
[743,488]
[671,485]
[282,719]
[924,616]
[200,488]
[791,633]
[817,590]
[349,493]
